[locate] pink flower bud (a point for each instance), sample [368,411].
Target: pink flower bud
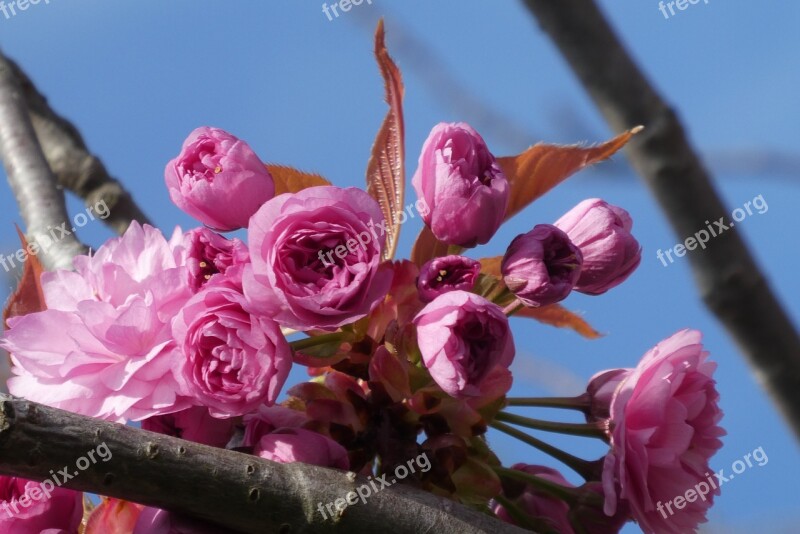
[536,503]
[218,179]
[155,521]
[448,273]
[55,509]
[267,419]
[194,424]
[459,180]
[287,445]
[602,233]
[601,391]
[462,338]
[542,266]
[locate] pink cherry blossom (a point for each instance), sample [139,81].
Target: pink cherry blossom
[664,418]
[109,349]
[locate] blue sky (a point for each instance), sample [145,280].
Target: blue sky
[136,77]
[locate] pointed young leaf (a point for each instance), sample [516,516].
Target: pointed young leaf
[557,315]
[28,298]
[542,167]
[386,176]
[289,180]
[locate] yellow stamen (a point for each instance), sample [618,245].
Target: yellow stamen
[203,265]
[217,169]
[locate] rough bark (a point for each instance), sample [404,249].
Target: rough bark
[729,280]
[76,169]
[40,201]
[227,488]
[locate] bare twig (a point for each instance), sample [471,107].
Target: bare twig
[70,160]
[41,203]
[226,488]
[729,280]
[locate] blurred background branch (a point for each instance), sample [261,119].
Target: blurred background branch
[41,202]
[729,280]
[70,160]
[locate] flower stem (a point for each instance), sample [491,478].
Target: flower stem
[571,495]
[314,341]
[588,470]
[581,402]
[591,430]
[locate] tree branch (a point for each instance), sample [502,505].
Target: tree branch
[70,160]
[727,275]
[223,487]
[40,201]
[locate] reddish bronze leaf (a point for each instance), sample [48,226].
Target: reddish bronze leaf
[542,167]
[289,180]
[554,314]
[492,266]
[427,247]
[28,298]
[113,516]
[386,175]
[557,315]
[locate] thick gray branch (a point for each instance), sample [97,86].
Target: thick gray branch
[227,488]
[41,202]
[729,280]
[70,160]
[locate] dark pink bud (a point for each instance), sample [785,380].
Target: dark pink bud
[448,273]
[542,266]
[601,391]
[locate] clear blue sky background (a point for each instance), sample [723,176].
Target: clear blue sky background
[136,77]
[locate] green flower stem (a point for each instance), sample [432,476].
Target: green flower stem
[581,402]
[570,495]
[315,341]
[522,519]
[588,470]
[591,430]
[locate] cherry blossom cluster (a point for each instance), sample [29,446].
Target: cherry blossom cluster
[188,334]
